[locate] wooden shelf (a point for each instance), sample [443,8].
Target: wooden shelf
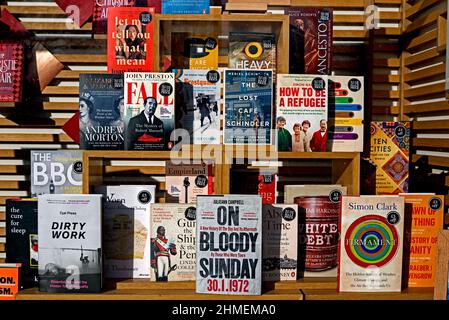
[407,294]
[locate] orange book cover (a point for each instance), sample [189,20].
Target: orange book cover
[9,280]
[426,214]
[130,39]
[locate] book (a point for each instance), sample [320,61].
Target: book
[302,113]
[194,51]
[126,230]
[293,191]
[310,40]
[11,65]
[70,251]
[184,182]
[371,245]
[248,100]
[10,274]
[229,245]
[267,187]
[56,172]
[130,39]
[21,238]
[280,239]
[173,242]
[149,110]
[198,104]
[346,113]
[390,152]
[185,6]
[101,120]
[426,214]
[252,50]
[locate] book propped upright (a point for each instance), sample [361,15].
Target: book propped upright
[11,277]
[12,67]
[185,6]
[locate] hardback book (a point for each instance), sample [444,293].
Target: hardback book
[10,273]
[371,245]
[56,172]
[346,113]
[70,251]
[194,51]
[130,39]
[251,50]
[102,104]
[303,190]
[267,187]
[184,182]
[149,110]
[229,245]
[302,113]
[280,239]
[11,65]
[173,242]
[126,230]
[21,238]
[425,212]
[248,100]
[185,6]
[310,40]
[198,104]
[390,152]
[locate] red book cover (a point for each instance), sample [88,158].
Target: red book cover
[71,7]
[130,39]
[11,70]
[267,188]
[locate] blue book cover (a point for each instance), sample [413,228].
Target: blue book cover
[248,106]
[185,6]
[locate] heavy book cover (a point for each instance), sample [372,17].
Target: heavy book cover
[198,104]
[101,119]
[11,67]
[229,245]
[302,113]
[56,172]
[70,251]
[310,40]
[10,273]
[173,242]
[248,100]
[149,110]
[194,51]
[184,182]
[371,244]
[126,230]
[346,113]
[21,238]
[266,187]
[251,50]
[130,39]
[185,6]
[425,213]
[390,152]
[280,239]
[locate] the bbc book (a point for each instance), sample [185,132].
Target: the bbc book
[56,172]
[126,230]
[173,242]
[12,66]
[70,248]
[229,245]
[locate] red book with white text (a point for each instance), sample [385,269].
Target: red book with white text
[11,67]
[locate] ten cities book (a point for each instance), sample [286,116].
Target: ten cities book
[102,107]
[371,244]
[70,248]
[11,66]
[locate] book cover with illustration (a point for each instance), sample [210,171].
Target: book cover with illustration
[21,238]
[371,245]
[310,40]
[130,39]
[346,113]
[126,230]
[101,117]
[184,182]
[194,51]
[149,110]
[390,152]
[11,65]
[198,104]
[248,101]
[70,251]
[280,239]
[173,241]
[56,172]
[302,113]
[185,6]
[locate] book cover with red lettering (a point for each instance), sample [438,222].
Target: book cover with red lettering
[302,113]
[11,67]
[130,39]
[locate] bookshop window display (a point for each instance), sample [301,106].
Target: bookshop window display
[212,152]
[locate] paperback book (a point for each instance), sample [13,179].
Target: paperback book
[11,275]
[100,13]
[266,187]
[194,51]
[11,66]
[185,6]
